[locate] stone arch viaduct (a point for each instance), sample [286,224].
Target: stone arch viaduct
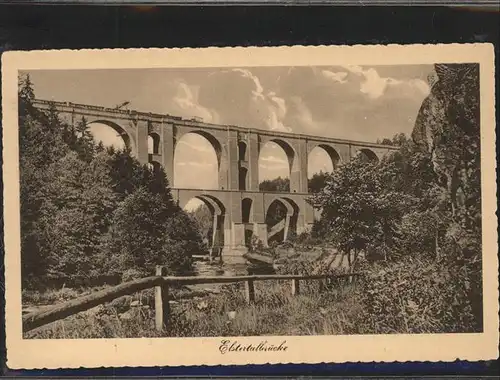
[238,207]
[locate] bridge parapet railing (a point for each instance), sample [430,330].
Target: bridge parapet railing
[69,106]
[162,286]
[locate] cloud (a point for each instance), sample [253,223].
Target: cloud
[339,77]
[420,85]
[239,98]
[366,104]
[196,164]
[277,110]
[257,92]
[375,86]
[186,100]
[196,146]
[371,84]
[301,115]
[274,160]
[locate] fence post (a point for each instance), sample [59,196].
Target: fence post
[249,291]
[321,286]
[295,287]
[161,301]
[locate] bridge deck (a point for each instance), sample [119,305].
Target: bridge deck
[85,109]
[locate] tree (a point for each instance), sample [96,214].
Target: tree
[41,144]
[84,143]
[400,139]
[148,231]
[275,185]
[348,204]
[363,203]
[76,213]
[203,218]
[128,175]
[26,91]
[317,182]
[384,141]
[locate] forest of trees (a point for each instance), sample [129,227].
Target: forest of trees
[87,210]
[279,184]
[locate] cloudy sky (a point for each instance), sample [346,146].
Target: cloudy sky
[353,102]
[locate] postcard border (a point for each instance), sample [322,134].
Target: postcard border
[30,354]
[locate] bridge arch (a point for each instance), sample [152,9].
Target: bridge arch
[283,223]
[216,144]
[216,238]
[292,171]
[242,165]
[203,153]
[242,178]
[120,132]
[289,151]
[247,210]
[330,151]
[242,150]
[154,143]
[368,155]
[214,204]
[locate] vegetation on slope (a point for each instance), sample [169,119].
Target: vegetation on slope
[88,211]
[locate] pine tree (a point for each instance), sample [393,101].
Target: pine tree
[26,91]
[85,145]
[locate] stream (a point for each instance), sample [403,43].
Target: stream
[227,268]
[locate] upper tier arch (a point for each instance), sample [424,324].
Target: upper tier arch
[122,131]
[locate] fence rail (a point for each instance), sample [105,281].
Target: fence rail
[161,284]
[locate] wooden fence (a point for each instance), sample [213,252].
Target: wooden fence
[161,284]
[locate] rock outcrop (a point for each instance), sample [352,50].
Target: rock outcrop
[448,128]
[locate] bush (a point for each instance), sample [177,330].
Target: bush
[308,240]
[415,296]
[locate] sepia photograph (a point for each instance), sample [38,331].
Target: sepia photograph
[254,201]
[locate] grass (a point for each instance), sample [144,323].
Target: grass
[52,296]
[274,312]
[409,297]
